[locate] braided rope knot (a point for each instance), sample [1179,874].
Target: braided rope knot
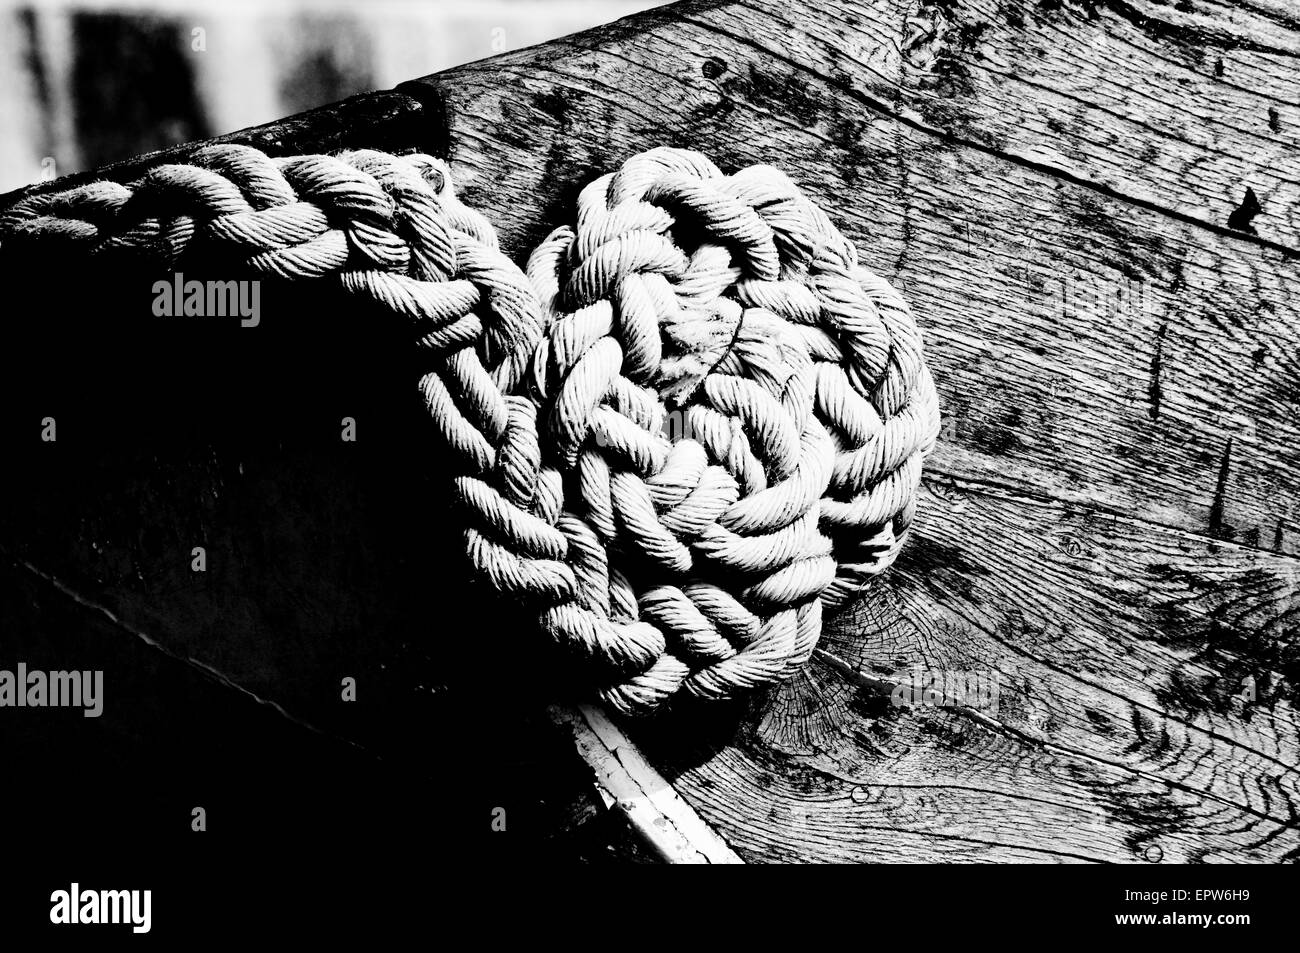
[734,414]
[695,423]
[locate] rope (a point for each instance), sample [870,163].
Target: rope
[692,426]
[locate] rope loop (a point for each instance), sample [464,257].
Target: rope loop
[693,424]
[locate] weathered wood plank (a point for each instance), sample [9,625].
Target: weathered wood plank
[1118,381]
[1146,708]
[1154,651]
[1115,533]
[658,815]
[1182,107]
[1105,351]
[937,786]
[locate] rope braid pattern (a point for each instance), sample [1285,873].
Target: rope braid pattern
[695,423]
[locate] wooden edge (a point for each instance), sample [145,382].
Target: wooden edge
[389,120]
[625,780]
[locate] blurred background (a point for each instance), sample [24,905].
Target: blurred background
[85,82]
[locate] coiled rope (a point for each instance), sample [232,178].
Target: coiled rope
[695,423]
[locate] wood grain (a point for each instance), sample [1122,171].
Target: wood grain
[1110,526]
[1180,107]
[937,787]
[1084,344]
[1146,710]
[1119,383]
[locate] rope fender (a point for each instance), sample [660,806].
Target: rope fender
[694,424]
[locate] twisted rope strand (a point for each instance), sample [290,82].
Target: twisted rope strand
[692,426]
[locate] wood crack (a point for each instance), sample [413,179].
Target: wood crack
[1042,168]
[1017,491]
[849,672]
